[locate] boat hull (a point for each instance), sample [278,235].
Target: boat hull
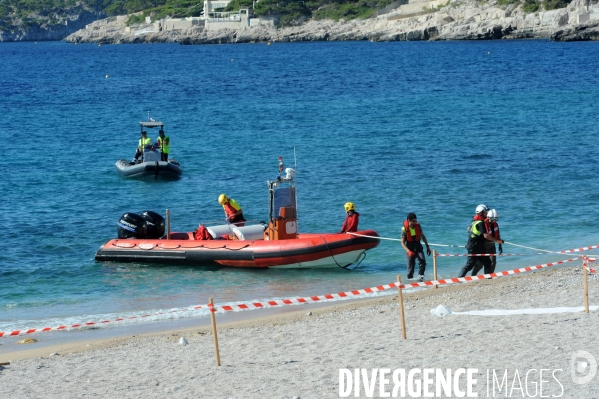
[306,251]
[153,169]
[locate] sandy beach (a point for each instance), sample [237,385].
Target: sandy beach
[299,354]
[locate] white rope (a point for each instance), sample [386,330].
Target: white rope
[378,238]
[397,239]
[447,245]
[457,246]
[522,246]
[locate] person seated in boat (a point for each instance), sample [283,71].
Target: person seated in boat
[233,211]
[164,143]
[351,220]
[143,142]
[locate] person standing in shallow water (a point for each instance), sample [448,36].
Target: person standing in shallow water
[351,220]
[493,229]
[477,236]
[411,234]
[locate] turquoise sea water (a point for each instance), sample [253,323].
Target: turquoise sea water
[431,128]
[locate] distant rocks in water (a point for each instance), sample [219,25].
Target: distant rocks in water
[584,32]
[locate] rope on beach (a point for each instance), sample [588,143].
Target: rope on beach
[371,290]
[298,301]
[522,246]
[378,238]
[540,253]
[346,267]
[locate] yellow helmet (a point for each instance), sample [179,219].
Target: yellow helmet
[222,199]
[349,206]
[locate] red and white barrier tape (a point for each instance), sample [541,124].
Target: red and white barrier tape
[297,301]
[349,294]
[585,260]
[90,323]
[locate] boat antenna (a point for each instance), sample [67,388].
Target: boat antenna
[149,119]
[295,188]
[281,166]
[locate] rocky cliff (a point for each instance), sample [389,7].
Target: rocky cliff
[76,19]
[456,20]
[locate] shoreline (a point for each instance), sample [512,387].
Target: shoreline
[299,353]
[82,339]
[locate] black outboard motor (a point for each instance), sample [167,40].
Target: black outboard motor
[131,225]
[155,224]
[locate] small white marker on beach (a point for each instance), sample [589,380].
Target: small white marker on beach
[182,341]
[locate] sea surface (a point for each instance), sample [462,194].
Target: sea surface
[434,128]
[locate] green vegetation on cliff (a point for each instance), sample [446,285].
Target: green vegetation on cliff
[536,5]
[293,12]
[26,14]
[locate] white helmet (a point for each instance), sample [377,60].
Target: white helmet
[493,215]
[481,208]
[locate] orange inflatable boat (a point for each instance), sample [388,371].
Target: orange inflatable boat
[277,243]
[304,251]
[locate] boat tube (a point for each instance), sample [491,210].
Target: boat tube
[305,251]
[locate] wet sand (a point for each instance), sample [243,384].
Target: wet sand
[299,353]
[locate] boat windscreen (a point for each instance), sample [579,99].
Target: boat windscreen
[283,197]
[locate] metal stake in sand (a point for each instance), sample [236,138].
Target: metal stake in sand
[586,286]
[213,319]
[435,266]
[401,308]
[168,224]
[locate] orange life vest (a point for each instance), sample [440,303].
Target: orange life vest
[231,207]
[494,229]
[416,238]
